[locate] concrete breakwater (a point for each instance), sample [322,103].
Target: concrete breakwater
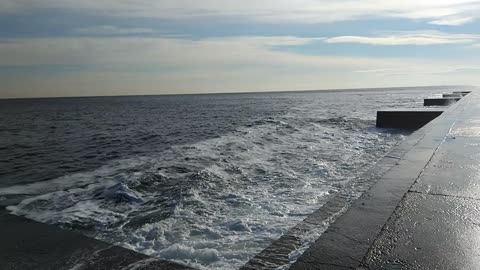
[423,212]
[406,118]
[415,119]
[27,244]
[47,247]
[358,223]
[440,101]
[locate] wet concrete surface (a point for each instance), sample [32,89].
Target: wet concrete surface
[437,224]
[454,170]
[429,232]
[26,244]
[423,213]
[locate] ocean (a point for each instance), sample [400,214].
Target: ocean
[204,180]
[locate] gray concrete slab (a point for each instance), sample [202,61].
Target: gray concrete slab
[406,118]
[356,233]
[467,127]
[452,95]
[26,244]
[429,232]
[345,243]
[439,101]
[462,92]
[454,170]
[437,223]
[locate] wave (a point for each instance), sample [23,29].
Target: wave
[215,203]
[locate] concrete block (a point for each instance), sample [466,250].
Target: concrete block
[439,101]
[463,93]
[406,118]
[453,95]
[27,244]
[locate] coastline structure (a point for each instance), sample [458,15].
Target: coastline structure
[439,101]
[379,229]
[406,118]
[27,244]
[421,214]
[420,210]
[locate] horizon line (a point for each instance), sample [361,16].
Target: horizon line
[241,92]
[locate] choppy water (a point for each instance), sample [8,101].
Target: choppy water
[206,180]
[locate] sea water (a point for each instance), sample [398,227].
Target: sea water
[203,180]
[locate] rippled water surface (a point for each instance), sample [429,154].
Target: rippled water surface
[205,180]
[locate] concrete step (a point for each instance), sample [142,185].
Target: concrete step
[453,95]
[439,101]
[406,118]
[26,244]
[464,93]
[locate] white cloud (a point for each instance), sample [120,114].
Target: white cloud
[453,21]
[410,70]
[161,51]
[167,65]
[112,30]
[451,12]
[407,38]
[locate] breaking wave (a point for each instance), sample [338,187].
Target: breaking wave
[215,203]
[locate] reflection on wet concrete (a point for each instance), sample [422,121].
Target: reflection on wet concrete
[436,223]
[429,232]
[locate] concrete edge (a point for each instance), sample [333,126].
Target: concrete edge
[345,243]
[277,254]
[28,244]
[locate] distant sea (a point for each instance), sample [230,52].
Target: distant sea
[204,180]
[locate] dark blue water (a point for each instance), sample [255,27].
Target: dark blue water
[206,180]
[47,138]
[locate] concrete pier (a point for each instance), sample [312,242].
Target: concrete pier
[421,210]
[439,101]
[464,93]
[421,214]
[26,245]
[454,95]
[406,118]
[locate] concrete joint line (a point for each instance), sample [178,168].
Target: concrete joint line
[443,195]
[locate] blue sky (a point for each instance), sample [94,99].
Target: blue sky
[82,48]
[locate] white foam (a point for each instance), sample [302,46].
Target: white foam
[74,180]
[229,200]
[176,252]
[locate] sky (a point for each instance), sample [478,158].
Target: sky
[125,47]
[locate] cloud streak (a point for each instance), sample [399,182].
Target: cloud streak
[414,70]
[442,12]
[453,21]
[112,30]
[407,38]
[167,65]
